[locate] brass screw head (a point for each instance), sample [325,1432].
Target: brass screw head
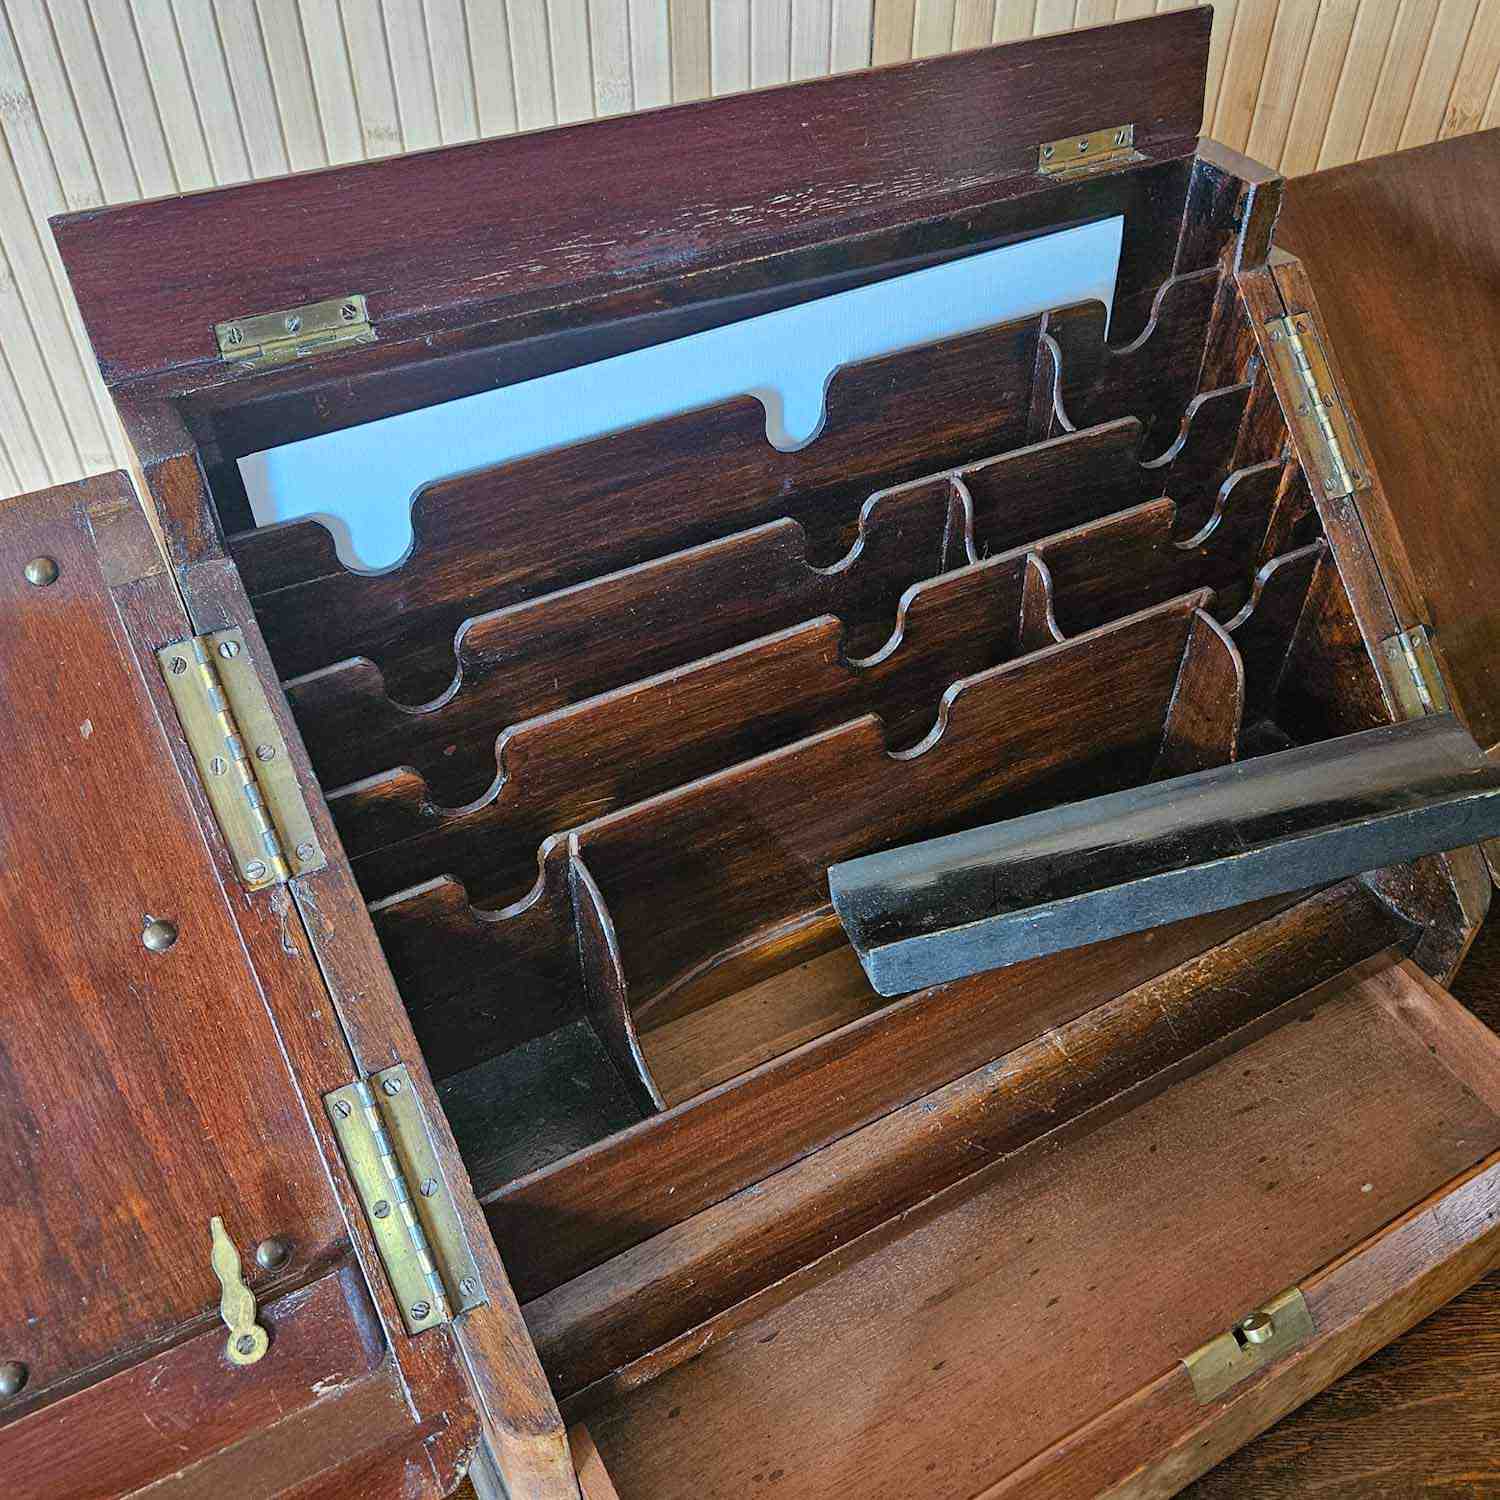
[272,1254]
[158,934]
[255,870]
[420,1310]
[265,752]
[229,649]
[391,1086]
[468,1286]
[349,311]
[41,571]
[381,1209]
[306,851]
[342,1108]
[293,323]
[429,1187]
[234,334]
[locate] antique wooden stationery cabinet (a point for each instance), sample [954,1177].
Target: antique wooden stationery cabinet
[427,1045]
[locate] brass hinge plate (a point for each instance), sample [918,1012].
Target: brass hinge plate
[383,1135]
[1316,411]
[1415,673]
[277,338]
[1255,1341]
[1079,155]
[241,757]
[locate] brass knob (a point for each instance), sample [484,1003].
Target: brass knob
[12,1377]
[158,935]
[41,571]
[272,1254]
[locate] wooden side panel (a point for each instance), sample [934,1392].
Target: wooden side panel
[141,1092]
[1427,305]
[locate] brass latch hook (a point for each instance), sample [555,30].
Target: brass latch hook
[247,1339]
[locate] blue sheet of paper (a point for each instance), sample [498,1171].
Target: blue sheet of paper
[361,481]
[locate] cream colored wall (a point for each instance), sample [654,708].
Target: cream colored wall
[102,101]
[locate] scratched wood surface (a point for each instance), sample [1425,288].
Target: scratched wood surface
[109,102]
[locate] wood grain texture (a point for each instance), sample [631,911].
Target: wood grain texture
[997,103]
[114,1055]
[936,1301]
[589,1330]
[1420,1417]
[179,1407]
[1428,300]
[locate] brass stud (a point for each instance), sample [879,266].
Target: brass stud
[272,1254]
[12,1377]
[158,935]
[41,571]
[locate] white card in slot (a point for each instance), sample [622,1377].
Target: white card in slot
[360,482]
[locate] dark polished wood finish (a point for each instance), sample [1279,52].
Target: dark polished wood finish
[477,231]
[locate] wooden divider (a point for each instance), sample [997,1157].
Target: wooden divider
[620,747]
[501,535]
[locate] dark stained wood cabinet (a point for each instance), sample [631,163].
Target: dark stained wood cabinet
[458,935]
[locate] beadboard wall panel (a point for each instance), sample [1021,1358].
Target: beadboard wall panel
[102,101]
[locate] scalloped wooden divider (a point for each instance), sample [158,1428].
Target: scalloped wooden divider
[499,536]
[566,768]
[495,537]
[549,652]
[1152,377]
[562,769]
[564,646]
[742,856]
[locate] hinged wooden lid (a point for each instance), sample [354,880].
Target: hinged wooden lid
[443,240]
[1404,254]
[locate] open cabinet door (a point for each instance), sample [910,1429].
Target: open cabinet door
[1403,255]
[164,1041]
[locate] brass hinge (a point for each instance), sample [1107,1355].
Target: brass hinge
[1415,673]
[1317,415]
[383,1135]
[241,757]
[1254,1342]
[1096,151]
[293,333]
